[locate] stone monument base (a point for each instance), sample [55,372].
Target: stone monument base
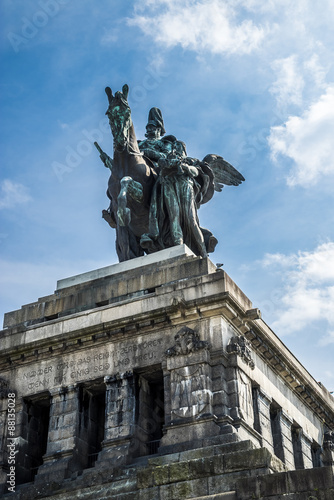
[156,379]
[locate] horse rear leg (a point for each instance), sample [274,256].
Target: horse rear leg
[134,190]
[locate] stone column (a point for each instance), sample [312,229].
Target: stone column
[190,407]
[119,443]
[61,458]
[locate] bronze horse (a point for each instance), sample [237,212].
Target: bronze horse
[131,180]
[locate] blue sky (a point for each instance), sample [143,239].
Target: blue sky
[250,80]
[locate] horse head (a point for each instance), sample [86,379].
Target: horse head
[119,115]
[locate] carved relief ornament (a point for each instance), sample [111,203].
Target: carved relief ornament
[186,342]
[241,346]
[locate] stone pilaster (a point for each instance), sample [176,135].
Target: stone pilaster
[306,443]
[288,452]
[119,437]
[219,388]
[61,458]
[190,406]
[263,404]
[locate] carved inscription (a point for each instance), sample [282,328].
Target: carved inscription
[90,364]
[135,353]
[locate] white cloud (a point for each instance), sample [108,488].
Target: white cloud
[307,292]
[199,26]
[288,88]
[300,79]
[12,194]
[316,71]
[328,339]
[308,141]
[272,259]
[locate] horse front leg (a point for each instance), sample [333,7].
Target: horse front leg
[134,190]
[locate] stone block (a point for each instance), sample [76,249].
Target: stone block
[184,490]
[227,435]
[161,475]
[203,467]
[277,484]
[179,471]
[229,495]
[196,454]
[237,446]
[190,432]
[60,445]
[123,486]
[121,431]
[224,483]
[245,460]
[301,484]
[310,479]
[145,478]
[164,459]
[149,494]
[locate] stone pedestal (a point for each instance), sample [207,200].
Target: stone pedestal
[158,379]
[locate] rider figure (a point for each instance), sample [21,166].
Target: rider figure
[154,147]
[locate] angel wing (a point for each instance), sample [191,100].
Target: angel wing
[223,172]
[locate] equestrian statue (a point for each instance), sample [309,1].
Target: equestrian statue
[155,189]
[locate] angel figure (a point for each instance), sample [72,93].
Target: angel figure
[183,184]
